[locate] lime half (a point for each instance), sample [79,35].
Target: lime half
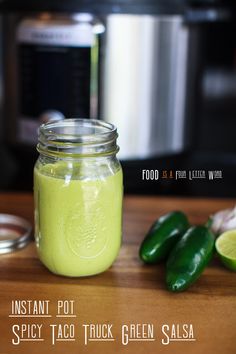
[226,248]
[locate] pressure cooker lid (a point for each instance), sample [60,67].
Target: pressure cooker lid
[103,7]
[97,7]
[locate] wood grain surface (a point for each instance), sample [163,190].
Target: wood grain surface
[128,293]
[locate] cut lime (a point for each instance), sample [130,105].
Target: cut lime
[226,249]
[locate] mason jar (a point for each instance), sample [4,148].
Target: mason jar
[78,191]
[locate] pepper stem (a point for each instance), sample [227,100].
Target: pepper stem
[209,222]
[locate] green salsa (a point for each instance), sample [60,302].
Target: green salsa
[77,220]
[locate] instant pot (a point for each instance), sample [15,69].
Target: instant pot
[148,61]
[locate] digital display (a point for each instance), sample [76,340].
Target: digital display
[54,78]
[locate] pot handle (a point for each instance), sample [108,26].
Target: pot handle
[201,15]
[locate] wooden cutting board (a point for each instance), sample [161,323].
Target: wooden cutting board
[127,302]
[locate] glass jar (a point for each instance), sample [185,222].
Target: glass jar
[78,191]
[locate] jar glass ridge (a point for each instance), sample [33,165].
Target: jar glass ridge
[77,138]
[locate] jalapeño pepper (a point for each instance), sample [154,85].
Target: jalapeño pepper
[162,236]
[189,258]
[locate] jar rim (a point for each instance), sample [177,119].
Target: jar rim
[49,128]
[77,136]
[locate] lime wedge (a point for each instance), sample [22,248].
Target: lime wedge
[226,248]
